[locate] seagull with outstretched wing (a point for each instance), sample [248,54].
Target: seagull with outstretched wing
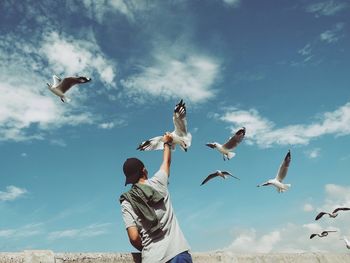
[180,135]
[231,144]
[334,214]
[323,234]
[223,174]
[281,174]
[59,86]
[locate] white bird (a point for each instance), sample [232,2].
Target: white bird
[229,145]
[59,86]
[281,174]
[223,174]
[323,234]
[347,242]
[333,214]
[180,135]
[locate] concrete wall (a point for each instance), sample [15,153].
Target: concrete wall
[46,256]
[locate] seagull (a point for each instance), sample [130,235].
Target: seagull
[282,172]
[60,86]
[323,234]
[333,214]
[223,174]
[180,135]
[347,242]
[229,145]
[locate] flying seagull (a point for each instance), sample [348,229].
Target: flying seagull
[347,242]
[223,174]
[323,234]
[282,172]
[180,135]
[59,86]
[229,145]
[333,214]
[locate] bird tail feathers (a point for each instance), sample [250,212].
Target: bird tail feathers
[231,155]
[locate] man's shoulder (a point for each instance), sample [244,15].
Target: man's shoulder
[160,177]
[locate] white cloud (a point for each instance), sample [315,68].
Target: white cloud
[308,207]
[247,241]
[332,36]
[314,153]
[58,142]
[27,109]
[262,131]
[306,50]
[106,125]
[28,230]
[233,3]
[99,10]
[78,233]
[294,238]
[70,56]
[24,155]
[326,8]
[12,193]
[176,73]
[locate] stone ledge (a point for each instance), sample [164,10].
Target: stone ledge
[47,256]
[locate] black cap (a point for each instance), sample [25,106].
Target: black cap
[132,169]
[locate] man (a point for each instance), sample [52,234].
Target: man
[148,213]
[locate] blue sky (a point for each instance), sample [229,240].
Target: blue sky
[279,68]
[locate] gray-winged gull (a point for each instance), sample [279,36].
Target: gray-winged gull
[180,135]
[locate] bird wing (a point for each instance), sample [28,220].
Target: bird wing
[235,140]
[282,171]
[56,80]
[229,174]
[211,145]
[155,143]
[325,233]
[312,236]
[340,209]
[210,176]
[67,83]
[320,215]
[179,119]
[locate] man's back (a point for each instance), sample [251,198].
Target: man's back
[163,246]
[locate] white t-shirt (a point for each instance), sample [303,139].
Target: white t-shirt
[172,242]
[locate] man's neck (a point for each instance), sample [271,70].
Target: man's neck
[141,180]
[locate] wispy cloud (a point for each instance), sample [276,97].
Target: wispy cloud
[58,142]
[112,124]
[333,35]
[326,8]
[129,8]
[313,153]
[78,233]
[106,125]
[71,56]
[306,50]
[233,3]
[27,109]
[12,193]
[294,238]
[308,207]
[248,241]
[178,72]
[28,230]
[264,133]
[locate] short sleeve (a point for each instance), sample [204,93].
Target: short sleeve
[127,214]
[160,178]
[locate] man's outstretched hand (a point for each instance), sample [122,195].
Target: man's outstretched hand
[167,138]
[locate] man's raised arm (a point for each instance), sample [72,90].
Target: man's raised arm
[167,139]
